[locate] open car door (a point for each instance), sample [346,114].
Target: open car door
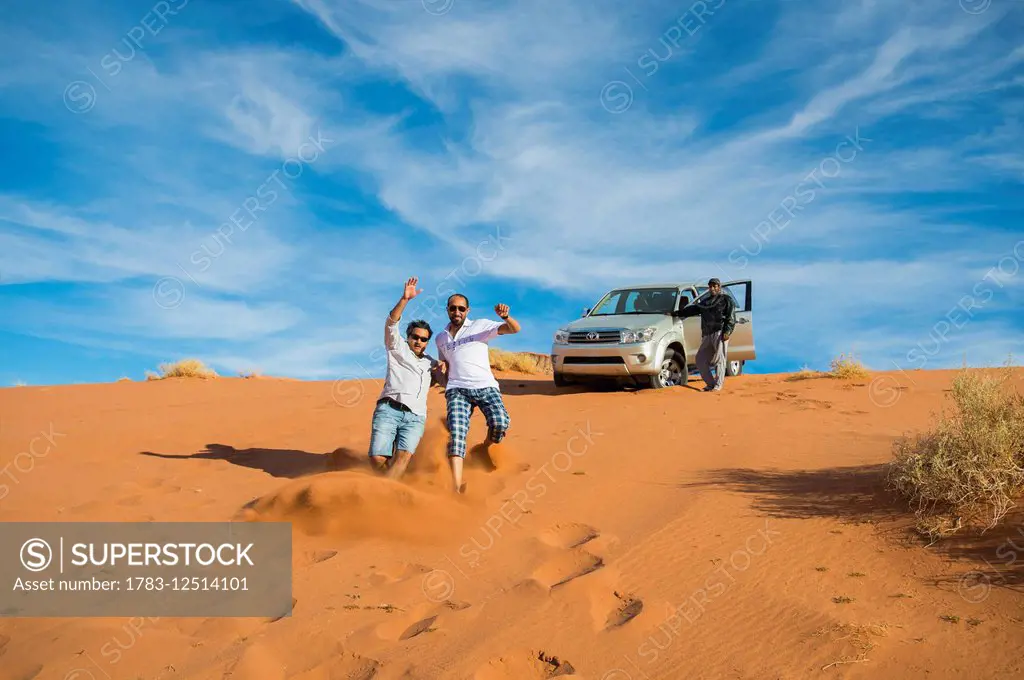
[741,344]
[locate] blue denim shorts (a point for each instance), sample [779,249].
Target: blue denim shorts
[394,429]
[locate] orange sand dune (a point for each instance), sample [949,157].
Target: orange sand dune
[617,536]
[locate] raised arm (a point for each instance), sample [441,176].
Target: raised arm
[391,336]
[510,326]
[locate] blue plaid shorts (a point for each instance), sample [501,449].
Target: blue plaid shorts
[461,402]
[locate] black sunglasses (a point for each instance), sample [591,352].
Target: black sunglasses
[456,308]
[421,338]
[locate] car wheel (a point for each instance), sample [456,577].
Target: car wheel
[560,380]
[733,368]
[672,372]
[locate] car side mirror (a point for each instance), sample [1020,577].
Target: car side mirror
[586,310]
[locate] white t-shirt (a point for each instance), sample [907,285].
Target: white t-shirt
[469,365]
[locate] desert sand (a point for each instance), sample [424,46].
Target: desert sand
[622,536]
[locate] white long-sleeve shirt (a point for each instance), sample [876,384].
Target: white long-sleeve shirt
[408,376]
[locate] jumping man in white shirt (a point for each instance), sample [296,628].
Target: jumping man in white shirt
[401,412]
[463,348]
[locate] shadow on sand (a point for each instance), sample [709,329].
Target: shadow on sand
[853,494]
[545,386]
[857,494]
[286,463]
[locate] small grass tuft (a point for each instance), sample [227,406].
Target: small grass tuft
[821,569]
[856,574]
[842,599]
[952,618]
[974,622]
[806,373]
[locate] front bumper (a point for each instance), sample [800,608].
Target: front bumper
[612,359]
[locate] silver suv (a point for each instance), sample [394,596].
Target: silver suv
[633,333]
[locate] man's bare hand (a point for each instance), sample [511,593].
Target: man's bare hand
[410,288]
[501,311]
[442,367]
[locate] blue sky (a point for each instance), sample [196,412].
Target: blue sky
[251,184]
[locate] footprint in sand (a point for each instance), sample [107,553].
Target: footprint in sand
[566,567]
[30,672]
[347,665]
[570,535]
[397,573]
[525,665]
[813,403]
[318,556]
[274,619]
[629,608]
[421,626]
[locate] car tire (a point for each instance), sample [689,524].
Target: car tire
[734,368]
[673,371]
[560,380]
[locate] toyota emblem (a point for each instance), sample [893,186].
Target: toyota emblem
[592,335]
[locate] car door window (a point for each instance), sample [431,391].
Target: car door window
[738,292]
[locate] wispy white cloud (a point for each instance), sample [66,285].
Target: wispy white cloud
[506,131]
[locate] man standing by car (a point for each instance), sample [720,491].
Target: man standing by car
[471,384]
[401,412]
[717,321]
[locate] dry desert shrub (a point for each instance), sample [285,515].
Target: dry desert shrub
[186,368]
[805,373]
[842,367]
[847,367]
[519,362]
[970,465]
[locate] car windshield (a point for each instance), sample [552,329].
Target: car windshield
[637,301]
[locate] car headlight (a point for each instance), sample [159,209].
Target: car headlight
[638,335]
[561,337]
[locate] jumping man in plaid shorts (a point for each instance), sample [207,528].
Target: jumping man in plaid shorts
[463,347]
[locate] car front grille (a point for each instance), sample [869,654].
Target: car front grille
[594,336]
[594,360]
